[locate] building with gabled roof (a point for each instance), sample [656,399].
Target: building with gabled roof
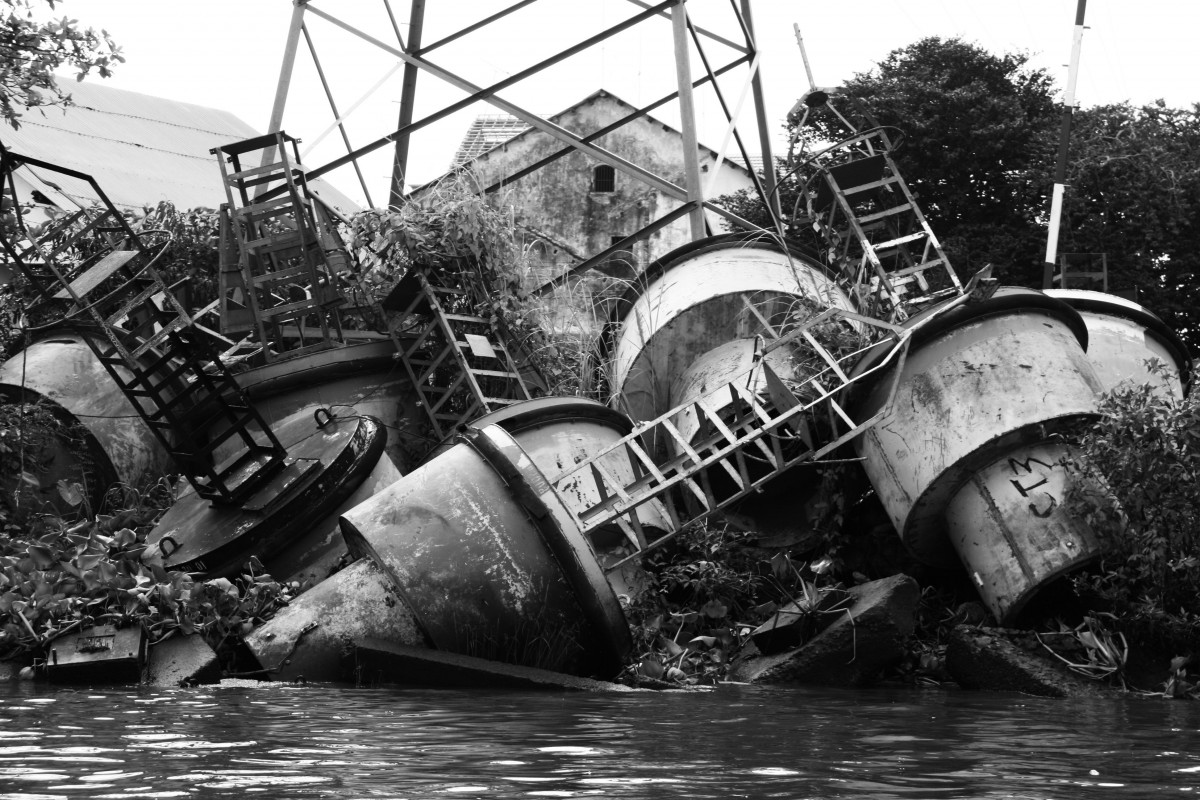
[581,205]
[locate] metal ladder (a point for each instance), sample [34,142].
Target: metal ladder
[150,347]
[770,431]
[874,231]
[457,361]
[282,286]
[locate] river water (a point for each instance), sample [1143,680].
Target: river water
[279,740]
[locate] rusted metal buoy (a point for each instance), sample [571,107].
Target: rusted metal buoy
[360,378]
[699,317]
[966,459]
[491,562]
[1124,336]
[311,636]
[700,297]
[559,432]
[328,459]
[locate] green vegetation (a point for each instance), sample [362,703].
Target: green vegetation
[453,229]
[980,133]
[30,435]
[34,48]
[1147,446]
[57,577]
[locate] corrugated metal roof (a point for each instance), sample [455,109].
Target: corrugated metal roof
[755,165]
[140,149]
[486,132]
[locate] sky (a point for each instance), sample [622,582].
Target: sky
[227,54]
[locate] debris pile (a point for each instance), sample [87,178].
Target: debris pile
[382,452]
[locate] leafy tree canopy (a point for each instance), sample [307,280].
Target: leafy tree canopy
[31,49]
[1133,194]
[979,149]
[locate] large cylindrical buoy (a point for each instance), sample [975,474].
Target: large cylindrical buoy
[1123,337]
[559,432]
[701,316]
[700,297]
[363,378]
[310,638]
[490,561]
[965,460]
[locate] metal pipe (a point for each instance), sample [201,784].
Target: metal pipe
[416,25]
[416,45]
[764,138]
[730,116]
[333,107]
[488,94]
[1064,139]
[687,114]
[741,48]
[285,72]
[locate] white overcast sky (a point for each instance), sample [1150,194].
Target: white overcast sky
[226,54]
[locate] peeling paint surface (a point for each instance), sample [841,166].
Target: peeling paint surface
[1123,336]
[473,566]
[1010,526]
[307,638]
[964,398]
[1119,349]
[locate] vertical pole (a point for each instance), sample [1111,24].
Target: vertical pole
[1064,139]
[687,112]
[312,50]
[416,21]
[285,69]
[760,113]
[812,84]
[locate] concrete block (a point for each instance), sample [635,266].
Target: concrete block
[182,661]
[988,659]
[854,648]
[791,626]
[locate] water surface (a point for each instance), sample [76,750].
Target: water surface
[320,741]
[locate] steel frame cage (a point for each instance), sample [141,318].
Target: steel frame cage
[414,55]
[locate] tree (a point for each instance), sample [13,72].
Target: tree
[32,49]
[972,125]
[1133,193]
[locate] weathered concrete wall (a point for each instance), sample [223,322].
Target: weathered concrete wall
[560,199]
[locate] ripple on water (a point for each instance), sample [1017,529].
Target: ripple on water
[344,742]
